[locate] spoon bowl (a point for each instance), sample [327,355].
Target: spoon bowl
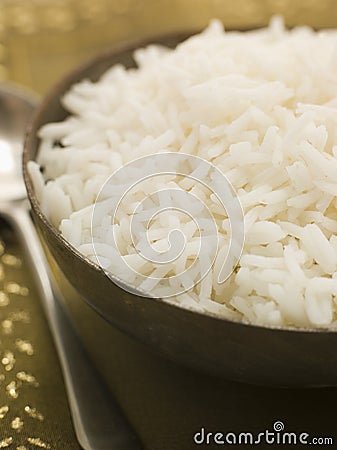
[16,108]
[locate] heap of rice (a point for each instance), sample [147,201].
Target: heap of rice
[262,107]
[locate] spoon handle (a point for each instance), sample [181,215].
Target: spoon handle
[98,421]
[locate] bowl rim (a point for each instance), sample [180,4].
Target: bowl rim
[62,85]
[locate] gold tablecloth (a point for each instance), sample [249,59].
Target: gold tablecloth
[34,410]
[40,40]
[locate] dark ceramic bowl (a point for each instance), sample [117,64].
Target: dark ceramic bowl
[221,347]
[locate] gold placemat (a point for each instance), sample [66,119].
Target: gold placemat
[34,410]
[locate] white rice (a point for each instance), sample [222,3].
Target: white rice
[262,107]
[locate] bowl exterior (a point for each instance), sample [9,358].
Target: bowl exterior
[242,352]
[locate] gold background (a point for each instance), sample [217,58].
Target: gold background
[40,40]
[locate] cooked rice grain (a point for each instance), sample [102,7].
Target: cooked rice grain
[262,107]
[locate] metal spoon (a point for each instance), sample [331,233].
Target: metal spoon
[98,421]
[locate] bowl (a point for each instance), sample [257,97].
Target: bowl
[262,355]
